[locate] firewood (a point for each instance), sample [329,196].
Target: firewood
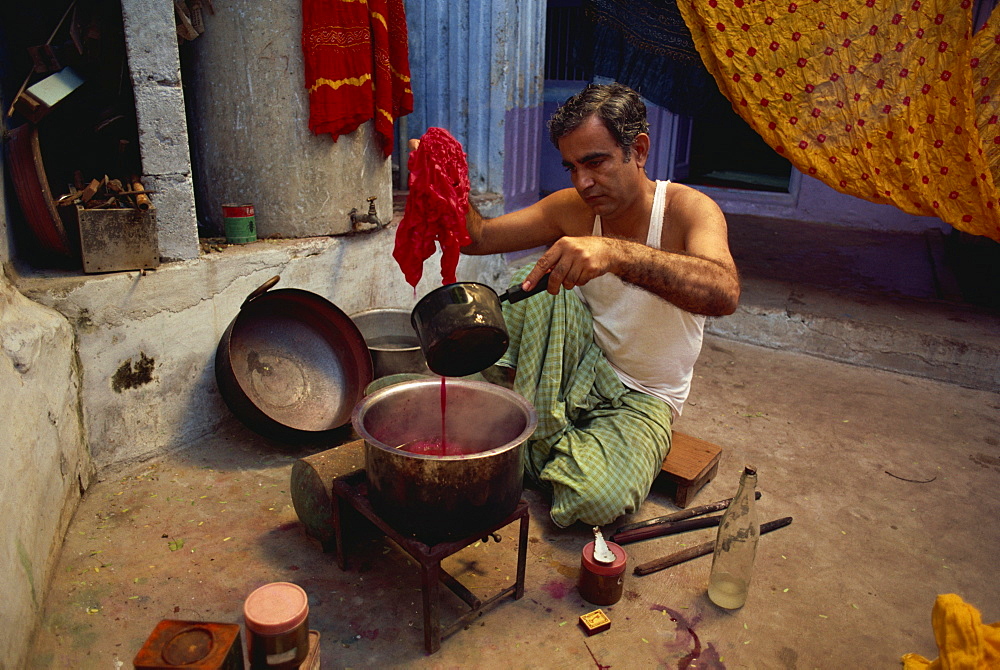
[90,190]
[141,199]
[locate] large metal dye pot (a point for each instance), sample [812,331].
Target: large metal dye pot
[435,498]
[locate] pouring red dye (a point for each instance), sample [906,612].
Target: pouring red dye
[435,212]
[438,447]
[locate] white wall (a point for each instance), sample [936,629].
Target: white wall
[44,465]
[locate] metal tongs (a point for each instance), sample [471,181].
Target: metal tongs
[678,522]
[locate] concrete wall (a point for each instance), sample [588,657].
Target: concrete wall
[147,342]
[44,465]
[154,65]
[250,134]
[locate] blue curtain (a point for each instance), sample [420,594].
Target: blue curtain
[646,45]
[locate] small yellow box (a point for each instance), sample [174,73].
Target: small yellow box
[595,622]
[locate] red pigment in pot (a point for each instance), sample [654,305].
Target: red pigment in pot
[437,447]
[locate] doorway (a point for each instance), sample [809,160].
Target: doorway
[726,152]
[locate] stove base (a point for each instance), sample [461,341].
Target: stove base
[352,489]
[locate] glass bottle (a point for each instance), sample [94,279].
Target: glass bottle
[735,546]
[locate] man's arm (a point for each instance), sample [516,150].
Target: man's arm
[542,223]
[695,284]
[694,270]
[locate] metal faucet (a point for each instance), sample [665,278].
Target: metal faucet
[371,217]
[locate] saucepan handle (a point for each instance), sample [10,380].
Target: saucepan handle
[516,293]
[261,290]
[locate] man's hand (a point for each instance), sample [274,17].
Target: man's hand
[574,261]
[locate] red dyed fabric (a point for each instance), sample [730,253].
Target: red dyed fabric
[356,66]
[393,95]
[436,207]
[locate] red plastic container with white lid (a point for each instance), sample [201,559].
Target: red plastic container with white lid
[602,583]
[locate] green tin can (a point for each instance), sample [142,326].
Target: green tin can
[240,225]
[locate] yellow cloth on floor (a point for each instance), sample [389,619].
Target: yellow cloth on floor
[964,641]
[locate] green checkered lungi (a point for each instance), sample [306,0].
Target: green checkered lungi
[598,444]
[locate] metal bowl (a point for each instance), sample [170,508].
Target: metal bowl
[292,365]
[391,340]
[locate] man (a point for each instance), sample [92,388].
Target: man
[608,364]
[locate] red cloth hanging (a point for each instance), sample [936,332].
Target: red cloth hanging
[393,95]
[356,66]
[435,208]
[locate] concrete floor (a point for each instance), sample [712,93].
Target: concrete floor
[893,482]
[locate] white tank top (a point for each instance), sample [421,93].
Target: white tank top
[652,344]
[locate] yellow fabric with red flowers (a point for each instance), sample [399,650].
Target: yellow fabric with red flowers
[893,101]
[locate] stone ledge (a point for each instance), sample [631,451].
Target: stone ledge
[936,340]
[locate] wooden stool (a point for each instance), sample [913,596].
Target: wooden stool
[691,464]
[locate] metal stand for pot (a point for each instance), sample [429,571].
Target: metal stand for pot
[352,489]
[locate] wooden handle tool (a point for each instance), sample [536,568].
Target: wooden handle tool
[141,199]
[667,528]
[699,550]
[680,516]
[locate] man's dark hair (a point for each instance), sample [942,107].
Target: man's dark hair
[620,109]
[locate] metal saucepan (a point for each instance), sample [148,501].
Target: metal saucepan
[292,365]
[461,327]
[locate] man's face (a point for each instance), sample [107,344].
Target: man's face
[598,169]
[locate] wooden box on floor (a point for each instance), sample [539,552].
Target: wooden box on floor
[193,645]
[690,465]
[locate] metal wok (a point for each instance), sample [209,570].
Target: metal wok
[292,365]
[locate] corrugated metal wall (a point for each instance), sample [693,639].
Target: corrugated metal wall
[476,70]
